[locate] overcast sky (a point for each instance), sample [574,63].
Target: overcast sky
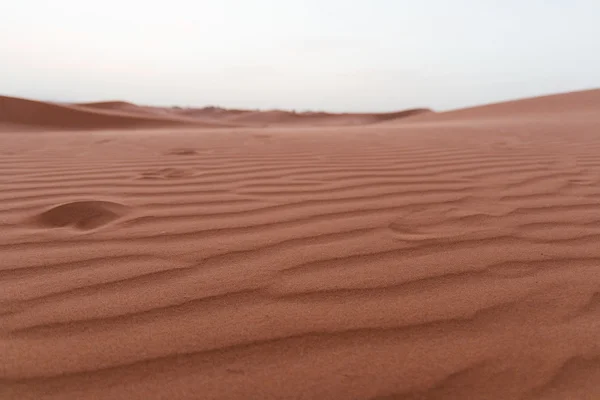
[337,55]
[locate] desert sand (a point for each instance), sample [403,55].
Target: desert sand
[166,253]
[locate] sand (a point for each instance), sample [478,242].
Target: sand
[150,253]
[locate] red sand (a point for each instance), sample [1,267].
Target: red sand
[441,256]
[34,114]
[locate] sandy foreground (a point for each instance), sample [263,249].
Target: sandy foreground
[150,253]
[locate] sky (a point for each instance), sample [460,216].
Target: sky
[333,55]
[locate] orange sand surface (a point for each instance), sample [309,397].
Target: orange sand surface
[166,253]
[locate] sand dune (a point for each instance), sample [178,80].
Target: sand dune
[398,260]
[21,113]
[262,118]
[130,108]
[545,107]
[282,118]
[211,112]
[108,105]
[15,112]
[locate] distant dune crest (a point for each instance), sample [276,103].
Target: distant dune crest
[43,115]
[30,114]
[581,102]
[16,112]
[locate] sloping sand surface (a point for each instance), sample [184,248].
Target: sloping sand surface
[283,118]
[130,108]
[542,108]
[411,260]
[108,105]
[253,118]
[41,115]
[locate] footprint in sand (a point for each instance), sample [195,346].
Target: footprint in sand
[104,141]
[263,136]
[182,152]
[440,223]
[166,173]
[81,215]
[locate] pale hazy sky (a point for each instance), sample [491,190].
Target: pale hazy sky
[338,55]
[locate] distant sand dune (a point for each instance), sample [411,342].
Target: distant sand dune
[277,117]
[123,115]
[289,118]
[107,105]
[37,114]
[416,258]
[543,106]
[130,108]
